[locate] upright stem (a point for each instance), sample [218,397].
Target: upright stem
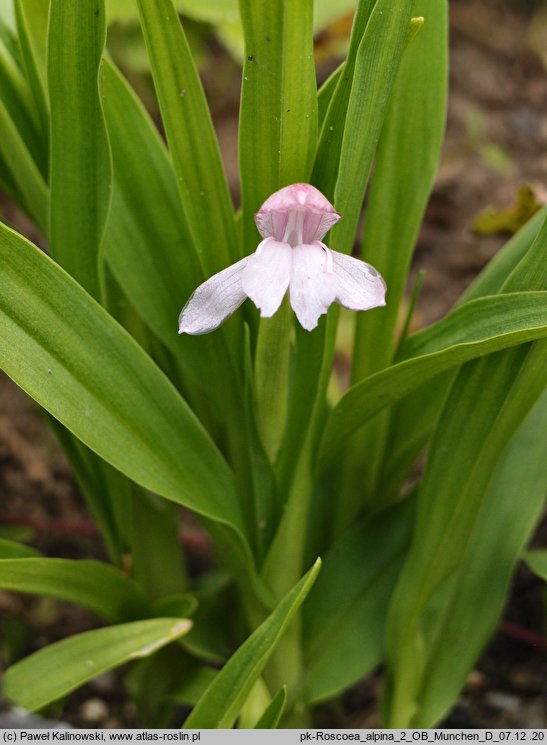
[283,568]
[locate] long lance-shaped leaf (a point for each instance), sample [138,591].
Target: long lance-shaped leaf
[278,123]
[479,590]
[64,666]
[147,240]
[403,178]
[376,65]
[192,142]
[474,329]
[402,181]
[333,113]
[75,360]
[487,403]
[222,701]
[201,179]
[80,160]
[91,584]
[416,415]
[493,395]
[155,254]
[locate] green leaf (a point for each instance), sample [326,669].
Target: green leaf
[333,115]
[71,357]
[32,22]
[223,14]
[66,665]
[531,271]
[16,97]
[521,263]
[222,701]
[537,558]
[376,65]
[403,178]
[147,242]
[12,550]
[192,142]
[278,121]
[96,586]
[326,92]
[274,711]
[32,191]
[80,160]
[486,404]
[345,613]
[400,187]
[476,328]
[496,272]
[478,592]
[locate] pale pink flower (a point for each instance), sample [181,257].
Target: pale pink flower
[292,223]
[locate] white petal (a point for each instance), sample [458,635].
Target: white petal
[313,285]
[266,276]
[213,301]
[359,286]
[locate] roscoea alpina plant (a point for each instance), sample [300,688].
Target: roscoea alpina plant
[273,465]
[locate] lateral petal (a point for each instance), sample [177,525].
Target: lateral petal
[358,285]
[266,276]
[313,285]
[213,301]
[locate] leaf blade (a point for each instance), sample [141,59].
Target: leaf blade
[489,562]
[222,701]
[193,145]
[71,357]
[80,170]
[386,387]
[91,584]
[66,665]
